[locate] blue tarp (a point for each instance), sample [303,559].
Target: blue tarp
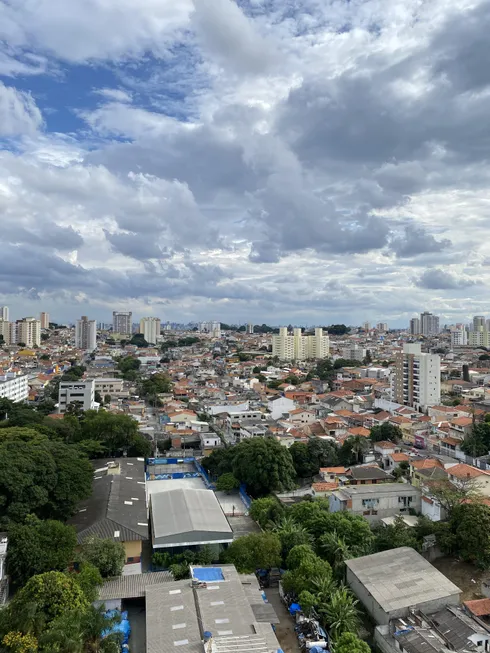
[207,573]
[294,608]
[122,627]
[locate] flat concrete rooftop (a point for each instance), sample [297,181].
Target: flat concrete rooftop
[401,578]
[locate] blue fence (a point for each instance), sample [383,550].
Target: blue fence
[167,477]
[170,461]
[244,496]
[207,481]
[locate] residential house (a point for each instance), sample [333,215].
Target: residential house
[376,501]
[332,474]
[301,416]
[279,406]
[460,427]
[463,475]
[367,475]
[394,459]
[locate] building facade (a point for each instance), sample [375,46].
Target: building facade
[415,326]
[86,334]
[44,319]
[28,331]
[5,331]
[375,502]
[122,322]
[300,347]
[429,324]
[14,387]
[4,313]
[76,391]
[459,337]
[150,328]
[417,378]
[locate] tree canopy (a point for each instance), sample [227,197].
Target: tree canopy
[45,478]
[255,551]
[261,463]
[37,547]
[386,431]
[106,555]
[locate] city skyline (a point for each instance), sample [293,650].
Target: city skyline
[237,161]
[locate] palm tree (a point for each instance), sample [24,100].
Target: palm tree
[64,635]
[94,623]
[336,551]
[358,445]
[341,613]
[291,534]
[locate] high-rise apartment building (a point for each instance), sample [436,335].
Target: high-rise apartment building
[122,322]
[480,338]
[4,313]
[28,331]
[354,353]
[429,324]
[213,328]
[250,328]
[150,328]
[479,323]
[417,378]
[415,326]
[300,347]
[5,331]
[86,334]
[44,319]
[382,326]
[459,337]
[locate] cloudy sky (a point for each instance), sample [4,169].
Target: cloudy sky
[304,161]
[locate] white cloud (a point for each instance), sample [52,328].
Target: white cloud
[282,161]
[19,114]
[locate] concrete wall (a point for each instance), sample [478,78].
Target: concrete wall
[370,604]
[133,550]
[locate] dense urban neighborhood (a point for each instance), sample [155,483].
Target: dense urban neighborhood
[221,488]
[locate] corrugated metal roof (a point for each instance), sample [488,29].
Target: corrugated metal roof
[187,515]
[133,586]
[117,503]
[171,619]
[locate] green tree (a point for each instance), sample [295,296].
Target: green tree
[306,574]
[350,643]
[470,524]
[82,632]
[117,433]
[264,465]
[265,511]
[106,555]
[39,546]
[358,445]
[386,431]
[16,642]
[44,478]
[107,399]
[156,384]
[254,551]
[89,579]
[450,495]
[227,483]
[42,599]
[477,443]
[291,534]
[341,613]
[301,460]
[395,535]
